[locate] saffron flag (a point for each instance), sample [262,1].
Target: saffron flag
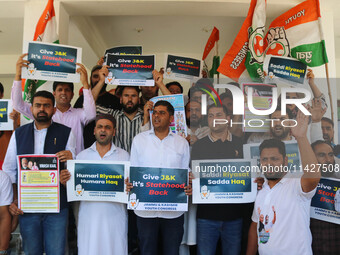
[45,31]
[297,33]
[211,60]
[246,52]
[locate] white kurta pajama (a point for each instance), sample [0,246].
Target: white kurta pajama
[102,226]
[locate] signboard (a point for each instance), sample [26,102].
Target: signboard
[51,62]
[223,181]
[130,70]
[5,109]
[178,67]
[38,183]
[158,189]
[96,180]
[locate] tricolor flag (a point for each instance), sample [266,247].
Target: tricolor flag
[211,60]
[298,34]
[45,31]
[247,49]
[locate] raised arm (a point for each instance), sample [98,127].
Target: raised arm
[89,106]
[310,76]
[311,175]
[158,77]
[103,72]
[16,95]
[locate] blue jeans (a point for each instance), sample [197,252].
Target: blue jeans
[44,231]
[209,232]
[171,231]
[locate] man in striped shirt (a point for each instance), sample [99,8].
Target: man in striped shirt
[129,119]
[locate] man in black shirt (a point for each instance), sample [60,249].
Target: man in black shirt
[219,221]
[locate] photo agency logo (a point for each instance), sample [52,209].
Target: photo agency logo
[239,105]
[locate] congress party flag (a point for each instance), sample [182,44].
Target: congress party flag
[246,53]
[297,33]
[211,60]
[45,31]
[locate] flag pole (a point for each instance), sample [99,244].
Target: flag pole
[329,91]
[218,74]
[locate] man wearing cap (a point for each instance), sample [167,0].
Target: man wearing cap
[102,226]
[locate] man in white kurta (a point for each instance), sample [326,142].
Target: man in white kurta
[102,226]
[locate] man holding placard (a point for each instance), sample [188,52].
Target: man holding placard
[219,221]
[41,231]
[161,148]
[102,226]
[285,198]
[76,119]
[129,119]
[324,223]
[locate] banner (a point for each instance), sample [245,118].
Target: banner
[326,201]
[38,183]
[5,109]
[97,180]
[283,69]
[177,67]
[130,70]
[223,181]
[297,33]
[262,100]
[158,189]
[54,62]
[247,48]
[124,50]
[252,151]
[179,125]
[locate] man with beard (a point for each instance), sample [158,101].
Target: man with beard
[277,130]
[327,126]
[289,194]
[102,227]
[194,120]
[101,97]
[65,114]
[325,234]
[129,119]
[41,231]
[98,88]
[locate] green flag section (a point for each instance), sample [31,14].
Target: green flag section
[312,55]
[215,65]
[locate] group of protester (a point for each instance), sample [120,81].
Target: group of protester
[115,126]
